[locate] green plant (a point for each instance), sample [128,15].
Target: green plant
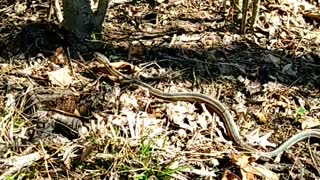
[152,166]
[300,113]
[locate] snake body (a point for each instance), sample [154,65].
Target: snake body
[212,105]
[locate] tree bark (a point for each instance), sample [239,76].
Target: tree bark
[80,19]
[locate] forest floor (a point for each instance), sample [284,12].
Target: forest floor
[62,116]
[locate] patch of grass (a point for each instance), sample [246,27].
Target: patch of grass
[25,173]
[151,161]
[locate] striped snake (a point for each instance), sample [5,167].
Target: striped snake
[215,106]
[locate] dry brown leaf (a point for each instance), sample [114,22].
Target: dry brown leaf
[317,39]
[130,68]
[59,57]
[275,20]
[125,67]
[261,116]
[309,122]
[4,68]
[228,175]
[20,8]
[249,169]
[300,5]
[136,47]
[181,115]
[60,77]
[85,153]
[129,101]
[67,103]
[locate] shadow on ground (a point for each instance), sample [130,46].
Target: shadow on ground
[238,59]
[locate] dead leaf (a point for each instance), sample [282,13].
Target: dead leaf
[85,153]
[15,163]
[228,175]
[59,57]
[20,8]
[129,68]
[254,87]
[136,48]
[67,103]
[123,67]
[309,122]
[261,117]
[317,39]
[249,169]
[60,77]
[180,113]
[4,67]
[10,102]
[186,38]
[255,139]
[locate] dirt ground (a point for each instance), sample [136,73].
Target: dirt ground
[63,117]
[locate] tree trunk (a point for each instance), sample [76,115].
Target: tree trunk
[80,19]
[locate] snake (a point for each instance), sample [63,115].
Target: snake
[213,105]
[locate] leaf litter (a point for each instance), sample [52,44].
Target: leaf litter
[71,117]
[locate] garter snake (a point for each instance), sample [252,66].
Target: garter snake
[212,105]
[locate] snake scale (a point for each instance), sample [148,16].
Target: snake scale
[215,106]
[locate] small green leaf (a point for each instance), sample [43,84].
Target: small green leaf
[300,113]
